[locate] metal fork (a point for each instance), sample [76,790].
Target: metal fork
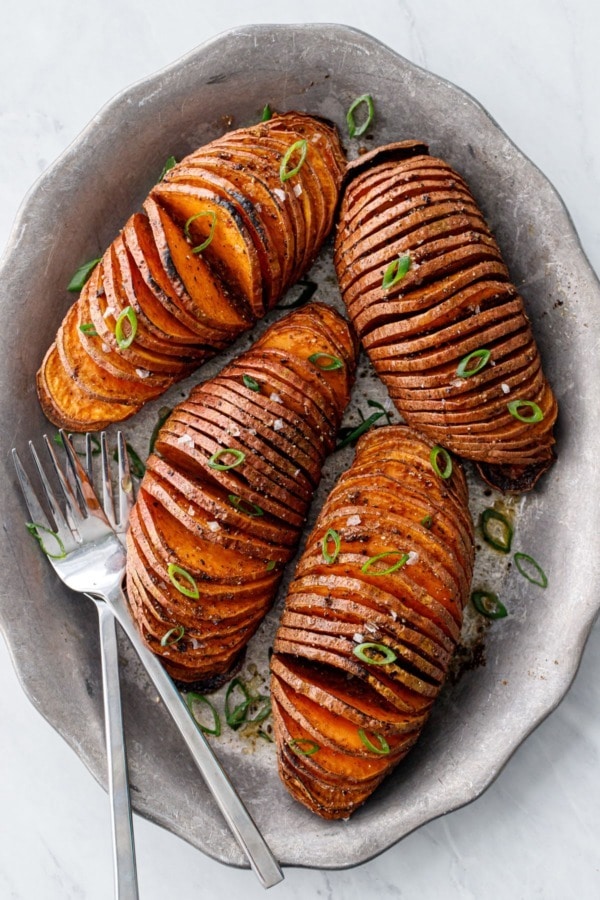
[89,557]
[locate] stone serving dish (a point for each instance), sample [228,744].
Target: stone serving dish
[531,657]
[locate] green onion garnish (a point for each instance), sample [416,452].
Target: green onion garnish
[541,580]
[396,271]
[238,457]
[245,506]
[266,113]
[499,536]
[163,414]
[192,699]
[127,315]
[82,274]
[251,383]
[514,407]
[326,362]
[487,604]
[383,655]
[331,535]
[299,147]
[236,717]
[355,130]
[427,521]
[172,636]
[171,161]
[183,581]
[303,746]
[88,328]
[436,453]
[366,568]
[384,411]
[473,363]
[271,565]
[308,289]
[352,434]
[383,747]
[262,713]
[213,221]
[34,528]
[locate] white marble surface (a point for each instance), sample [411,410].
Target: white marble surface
[534,65]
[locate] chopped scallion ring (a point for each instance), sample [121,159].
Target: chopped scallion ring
[266,113]
[192,699]
[383,747]
[355,130]
[127,315]
[183,581]
[236,716]
[541,580]
[496,529]
[427,521]
[208,213]
[303,746]
[82,275]
[238,458]
[270,565]
[251,383]
[172,636]
[396,271]
[34,528]
[383,655]
[245,506]
[473,363]
[331,535]
[263,711]
[515,406]
[366,568]
[299,147]
[171,161]
[487,603]
[326,362]
[434,456]
[88,328]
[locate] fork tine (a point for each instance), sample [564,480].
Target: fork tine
[84,487]
[126,498]
[63,526]
[74,514]
[107,494]
[34,508]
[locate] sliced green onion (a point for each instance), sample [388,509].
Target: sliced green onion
[435,454]
[238,458]
[384,411]
[355,130]
[308,289]
[163,414]
[211,214]
[396,271]
[466,368]
[171,161]
[383,747]
[266,113]
[366,568]
[326,362]
[183,581]
[331,535]
[299,147]
[245,506]
[541,580]
[271,565]
[34,529]
[236,716]
[263,712]
[487,603]
[82,275]
[127,315]
[499,537]
[380,650]
[251,383]
[350,435]
[191,699]
[303,746]
[136,466]
[514,407]
[172,636]
[88,328]
[264,735]
[427,521]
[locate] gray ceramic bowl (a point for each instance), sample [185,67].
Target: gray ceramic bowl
[75,210]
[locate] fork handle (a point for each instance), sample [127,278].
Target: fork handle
[234,812]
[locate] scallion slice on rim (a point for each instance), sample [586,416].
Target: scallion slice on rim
[300,148]
[382,748]
[126,340]
[487,603]
[326,362]
[267,113]
[355,130]
[523,562]
[245,506]
[238,458]
[440,454]
[378,655]
[82,274]
[303,746]
[251,383]
[366,569]
[496,529]
[88,328]
[208,213]
[473,363]
[192,699]
[330,536]
[535,414]
[396,271]
[183,581]
[171,161]
[235,716]
[172,636]
[34,528]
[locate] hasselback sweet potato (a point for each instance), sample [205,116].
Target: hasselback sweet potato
[371,620]
[221,506]
[425,285]
[218,242]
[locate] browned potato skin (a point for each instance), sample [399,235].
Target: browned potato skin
[455,298]
[184,516]
[322,692]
